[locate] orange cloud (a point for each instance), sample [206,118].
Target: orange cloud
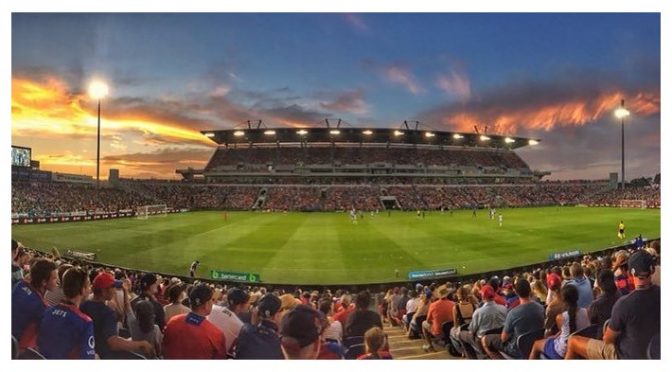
[400,75]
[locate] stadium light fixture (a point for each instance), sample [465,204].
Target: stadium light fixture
[484,137]
[301,132]
[98,90]
[622,112]
[509,140]
[239,133]
[334,132]
[210,135]
[457,136]
[533,142]
[429,134]
[398,133]
[367,132]
[269,132]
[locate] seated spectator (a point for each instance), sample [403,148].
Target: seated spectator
[192,336]
[66,332]
[495,284]
[334,330]
[539,290]
[411,307]
[226,318]
[556,306]
[624,281]
[463,311]
[176,295]
[28,303]
[17,271]
[440,311]
[375,343]
[54,297]
[149,289]
[635,319]
[582,285]
[346,308]
[301,331]
[262,341]
[600,309]
[362,318]
[415,326]
[526,317]
[487,317]
[143,327]
[573,319]
[655,253]
[104,319]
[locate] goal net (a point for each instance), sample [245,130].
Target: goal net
[631,203]
[143,212]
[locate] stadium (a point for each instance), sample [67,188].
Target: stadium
[335,208]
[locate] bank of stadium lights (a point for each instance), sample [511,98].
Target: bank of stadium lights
[239,133]
[269,132]
[622,112]
[367,132]
[533,142]
[210,135]
[398,133]
[484,137]
[334,132]
[301,132]
[429,134]
[509,140]
[457,136]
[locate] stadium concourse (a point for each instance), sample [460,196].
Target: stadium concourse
[603,305]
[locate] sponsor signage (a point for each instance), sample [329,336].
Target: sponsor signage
[232,276]
[416,275]
[563,255]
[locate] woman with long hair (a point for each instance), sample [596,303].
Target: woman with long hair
[571,320]
[143,326]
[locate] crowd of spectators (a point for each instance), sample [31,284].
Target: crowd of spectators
[67,309]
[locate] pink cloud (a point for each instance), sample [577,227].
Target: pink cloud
[455,83]
[403,76]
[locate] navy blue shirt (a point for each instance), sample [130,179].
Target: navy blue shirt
[259,342]
[27,310]
[104,325]
[66,333]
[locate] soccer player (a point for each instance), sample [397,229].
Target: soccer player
[501,220]
[621,230]
[473,211]
[66,332]
[192,269]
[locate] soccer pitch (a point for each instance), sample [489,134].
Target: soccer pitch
[328,248]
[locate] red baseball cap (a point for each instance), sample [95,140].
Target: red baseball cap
[487,292]
[106,280]
[553,280]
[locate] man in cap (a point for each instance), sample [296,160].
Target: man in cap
[440,311]
[192,336]
[262,341]
[301,329]
[104,318]
[227,319]
[149,288]
[487,317]
[635,319]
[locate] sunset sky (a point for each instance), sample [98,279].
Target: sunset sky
[558,77]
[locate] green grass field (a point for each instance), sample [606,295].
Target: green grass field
[327,248]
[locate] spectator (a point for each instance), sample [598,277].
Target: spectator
[54,297]
[486,318]
[582,285]
[655,253]
[411,307]
[17,272]
[556,306]
[362,318]
[526,317]
[66,332]
[192,336]
[301,332]
[495,284]
[262,341]
[624,282]
[227,319]
[347,307]
[149,288]
[415,326]
[104,319]
[28,303]
[334,330]
[176,295]
[600,309]
[440,311]
[463,312]
[573,319]
[635,319]
[143,327]
[375,342]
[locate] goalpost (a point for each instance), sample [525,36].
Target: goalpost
[143,212]
[633,203]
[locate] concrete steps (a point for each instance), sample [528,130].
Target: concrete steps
[403,348]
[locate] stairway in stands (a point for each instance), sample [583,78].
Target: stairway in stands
[403,348]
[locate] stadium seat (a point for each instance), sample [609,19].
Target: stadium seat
[653,350]
[590,331]
[31,353]
[349,341]
[15,348]
[524,343]
[354,351]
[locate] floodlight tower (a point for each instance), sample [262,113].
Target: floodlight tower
[622,113]
[98,90]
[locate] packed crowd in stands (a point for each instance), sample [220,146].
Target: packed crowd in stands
[49,199]
[599,306]
[336,156]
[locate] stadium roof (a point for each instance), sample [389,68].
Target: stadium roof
[364,135]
